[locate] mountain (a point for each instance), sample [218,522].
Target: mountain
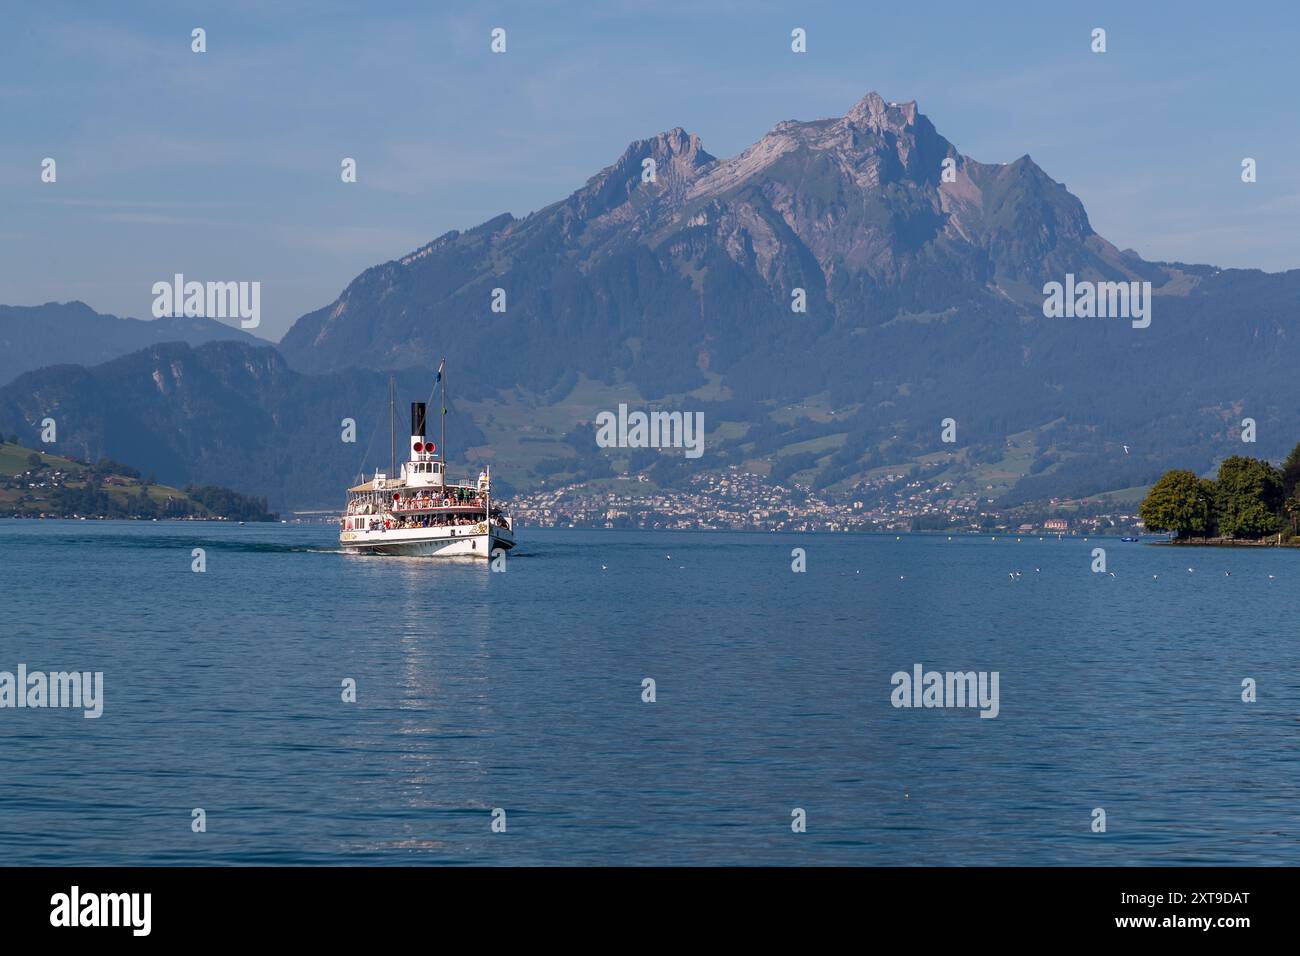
[694,272]
[924,301]
[58,333]
[224,413]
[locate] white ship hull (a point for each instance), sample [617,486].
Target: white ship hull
[469,541]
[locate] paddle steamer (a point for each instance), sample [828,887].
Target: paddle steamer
[419,512]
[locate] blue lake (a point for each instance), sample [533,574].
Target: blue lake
[523,691]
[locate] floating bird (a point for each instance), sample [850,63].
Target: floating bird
[901,577]
[1227,574]
[1190,571]
[668,557]
[603,568]
[1111,573]
[1036,570]
[1125,447]
[1270,577]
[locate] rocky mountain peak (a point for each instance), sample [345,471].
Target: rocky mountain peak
[873,207]
[874,113]
[678,157]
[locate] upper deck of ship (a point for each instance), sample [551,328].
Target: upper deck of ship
[382,482]
[422,480]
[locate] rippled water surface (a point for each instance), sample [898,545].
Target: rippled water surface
[523,691]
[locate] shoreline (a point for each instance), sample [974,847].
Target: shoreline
[1269,542]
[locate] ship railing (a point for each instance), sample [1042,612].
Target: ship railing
[407,506]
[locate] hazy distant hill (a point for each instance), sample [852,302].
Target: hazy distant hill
[222,414]
[60,333]
[924,302]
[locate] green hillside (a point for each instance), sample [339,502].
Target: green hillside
[34,483]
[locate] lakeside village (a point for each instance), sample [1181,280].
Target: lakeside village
[735,500]
[1250,501]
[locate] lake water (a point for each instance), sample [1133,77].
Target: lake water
[523,691]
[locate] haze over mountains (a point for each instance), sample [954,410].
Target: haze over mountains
[924,302]
[59,333]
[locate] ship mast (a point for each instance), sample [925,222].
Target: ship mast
[392,429]
[442,437]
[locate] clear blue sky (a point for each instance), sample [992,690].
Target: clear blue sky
[225,165]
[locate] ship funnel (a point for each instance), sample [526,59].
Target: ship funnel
[420,448]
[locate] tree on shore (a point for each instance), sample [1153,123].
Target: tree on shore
[1291,474]
[1179,502]
[1291,488]
[1247,498]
